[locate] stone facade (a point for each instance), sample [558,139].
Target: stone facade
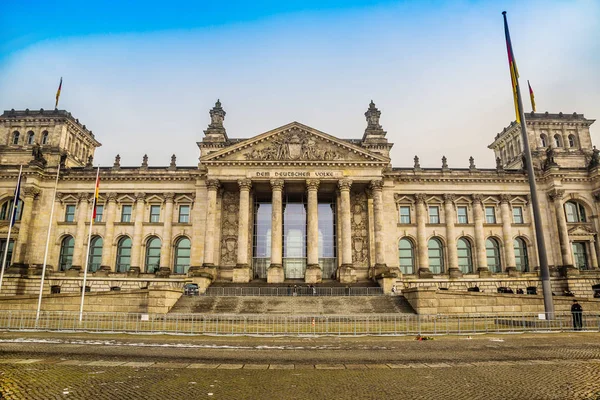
[200,222]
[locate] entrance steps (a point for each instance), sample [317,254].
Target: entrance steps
[296,305]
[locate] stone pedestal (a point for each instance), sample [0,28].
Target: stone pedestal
[569,271]
[425,273]
[202,282]
[73,271]
[133,272]
[208,272]
[242,275]
[512,272]
[383,271]
[313,275]
[104,270]
[484,273]
[454,273]
[275,274]
[348,274]
[163,272]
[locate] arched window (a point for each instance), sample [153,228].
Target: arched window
[557,141]
[521,257]
[511,151]
[406,253]
[492,251]
[181,260]
[465,256]
[6,210]
[519,145]
[67,247]
[45,137]
[77,150]
[571,140]
[30,137]
[575,212]
[95,254]
[123,254]
[544,140]
[152,254]
[15,137]
[435,249]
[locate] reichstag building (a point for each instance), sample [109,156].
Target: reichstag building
[295,203]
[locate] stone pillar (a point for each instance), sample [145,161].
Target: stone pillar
[211,211]
[424,271]
[563,231]
[275,273]
[80,235]
[480,252]
[242,273]
[138,230]
[453,270]
[376,187]
[109,231]
[507,237]
[165,252]
[30,193]
[313,273]
[593,255]
[347,274]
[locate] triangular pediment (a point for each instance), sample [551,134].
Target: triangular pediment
[580,230]
[294,143]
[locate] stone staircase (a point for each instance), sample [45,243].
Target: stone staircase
[301,305]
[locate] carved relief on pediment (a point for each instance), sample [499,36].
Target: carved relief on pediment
[297,145]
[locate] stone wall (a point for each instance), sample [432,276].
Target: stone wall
[431,300]
[135,301]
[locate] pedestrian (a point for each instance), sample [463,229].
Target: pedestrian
[577,311]
[314,290]
[393,290]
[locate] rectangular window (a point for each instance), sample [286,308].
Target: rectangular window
[154,213]
[184,214]
[518,215]
[434,215]
[405,214]
[70,213]
[126,213]
[490,215]
[99,212]
[461,212]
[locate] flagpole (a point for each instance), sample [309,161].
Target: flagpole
[39,305]
[15,205]
[535,205]
[87,253]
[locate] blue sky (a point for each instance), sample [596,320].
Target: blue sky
[143,75]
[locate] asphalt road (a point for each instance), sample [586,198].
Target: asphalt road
[532,366]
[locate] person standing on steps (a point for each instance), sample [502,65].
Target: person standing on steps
[577,313]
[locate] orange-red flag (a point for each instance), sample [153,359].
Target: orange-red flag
[531,96]
[96,193]
[514,72]
[58,93]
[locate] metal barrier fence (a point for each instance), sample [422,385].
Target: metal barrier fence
[293,291]
[338,325]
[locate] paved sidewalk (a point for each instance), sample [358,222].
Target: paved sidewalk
[43,366]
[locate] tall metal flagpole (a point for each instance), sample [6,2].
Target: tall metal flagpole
[537,215]
[87,253]
[15,206]
[39,305]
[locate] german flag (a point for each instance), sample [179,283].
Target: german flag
[531,96]
[514,72]
[58,93]
[96,193]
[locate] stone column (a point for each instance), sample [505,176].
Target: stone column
[453,270]
[507,237]
[241,273]
[347,274]
[165,252]
[424,271]
[80,235]
[566,252]
[377,192]
[313,273]
[30,193]
[593,255]
[275,273]
[209,235]
[138,230]
[109,231]
[482,266]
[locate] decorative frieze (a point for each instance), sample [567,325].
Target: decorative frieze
[229,227]
[360,231]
